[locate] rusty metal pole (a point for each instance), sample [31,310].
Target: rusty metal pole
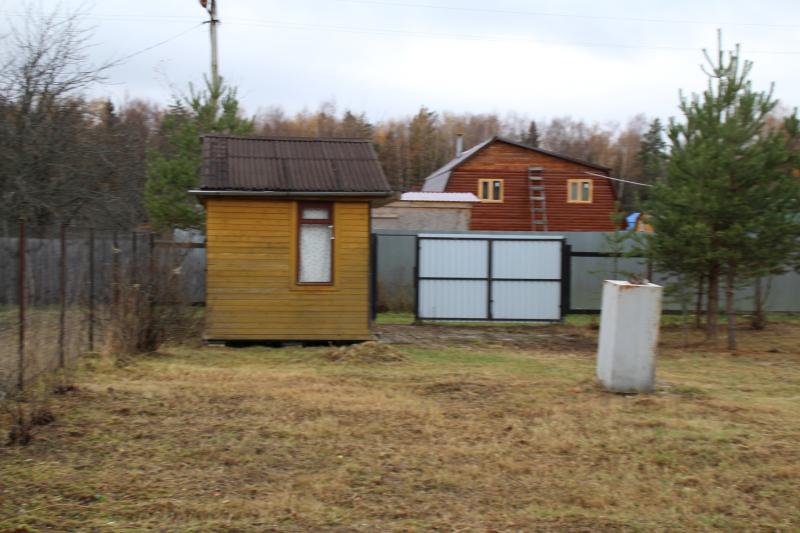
[22,296]
[151,270]
[62,282]
[135,298]
[91,289]
[114,274]
[151,293]
[134,258]
[115,314]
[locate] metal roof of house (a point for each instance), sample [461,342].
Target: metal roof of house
[291,164]
[437,180]
[439,197]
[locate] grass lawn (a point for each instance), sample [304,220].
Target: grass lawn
[493,434]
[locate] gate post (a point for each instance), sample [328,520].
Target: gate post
[566,278]
[489,275]
[416,278]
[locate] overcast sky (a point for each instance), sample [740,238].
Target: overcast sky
[595,60]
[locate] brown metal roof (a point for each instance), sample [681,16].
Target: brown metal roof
[290,164]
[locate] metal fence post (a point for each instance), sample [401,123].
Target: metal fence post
[22,296]
[115,276]
[91,289]
[151,275]
[134,260]
[151,258]
[62,281]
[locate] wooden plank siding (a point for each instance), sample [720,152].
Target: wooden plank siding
[510,163]
[252,292]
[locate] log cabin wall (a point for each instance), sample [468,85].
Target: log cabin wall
[510,163]
[252,272]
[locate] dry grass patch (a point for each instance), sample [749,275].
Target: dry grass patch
[451,439]
[365,352]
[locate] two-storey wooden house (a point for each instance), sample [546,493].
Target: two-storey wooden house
[522,188]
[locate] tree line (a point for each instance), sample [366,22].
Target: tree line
[68,158]
[87,161]
[410,148]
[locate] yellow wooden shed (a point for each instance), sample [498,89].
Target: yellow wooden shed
[288,237]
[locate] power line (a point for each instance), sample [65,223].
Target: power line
[394,3]
[125,17]
[618,179]
[436,35]
[467,37]
[566,15]
[109,16]
[156,45]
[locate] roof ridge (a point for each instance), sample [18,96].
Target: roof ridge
[295,164]
[445,170]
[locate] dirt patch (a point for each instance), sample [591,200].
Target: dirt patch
[460,390]
[364,353]
[535,337]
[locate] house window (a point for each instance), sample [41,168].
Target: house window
[579,191]
[315,243]
[490,190]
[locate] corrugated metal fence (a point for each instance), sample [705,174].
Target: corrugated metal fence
[590,264]
[394,279]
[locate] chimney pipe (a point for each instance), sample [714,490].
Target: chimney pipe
[459,144]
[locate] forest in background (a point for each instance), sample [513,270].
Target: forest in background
[412,147]
[66,158]
[86,161]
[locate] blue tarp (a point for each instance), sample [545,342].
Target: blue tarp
[631,220]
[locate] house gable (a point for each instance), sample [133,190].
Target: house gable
[511,162]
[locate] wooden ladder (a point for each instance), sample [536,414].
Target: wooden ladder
[538,200]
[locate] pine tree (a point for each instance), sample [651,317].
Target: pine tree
[173,169]
[532,137]
[652,152]
[390,152]
[356,126]
[727,210]
[422,146]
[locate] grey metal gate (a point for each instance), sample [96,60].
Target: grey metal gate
[490,277]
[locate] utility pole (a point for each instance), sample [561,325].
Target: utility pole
[213,21]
